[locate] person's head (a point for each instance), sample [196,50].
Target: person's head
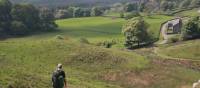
[59,66]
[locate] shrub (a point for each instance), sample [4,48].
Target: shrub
[121,15]
[84,40]
[175,39]
[59,37]
[131,15]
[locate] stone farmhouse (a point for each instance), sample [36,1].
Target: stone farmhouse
[174,26]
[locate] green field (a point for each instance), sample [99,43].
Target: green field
[104,28]
[189,13]
[186,50]
[92,28]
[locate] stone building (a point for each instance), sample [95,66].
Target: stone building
[174,26]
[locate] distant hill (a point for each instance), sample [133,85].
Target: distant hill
[57,3]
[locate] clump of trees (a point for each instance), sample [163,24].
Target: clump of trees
[74,12]
[136,33]
[22,19]
[192,29]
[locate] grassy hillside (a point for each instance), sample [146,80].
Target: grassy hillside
[185,50]
[30,64]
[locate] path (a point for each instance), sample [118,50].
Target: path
[163,31]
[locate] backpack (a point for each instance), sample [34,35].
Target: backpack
[57,79]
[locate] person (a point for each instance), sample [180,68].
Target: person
[58,78]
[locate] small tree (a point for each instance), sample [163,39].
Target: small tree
[5,17]
[192,29]
[77,12]
[47,20]
[121,14]
[95,11]
[131,7]
[185,4]
[18,28]
[135,31]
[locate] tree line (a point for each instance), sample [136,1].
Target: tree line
[23,19]
[74,12]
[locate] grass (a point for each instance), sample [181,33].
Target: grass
[93,28]
[98,29]
[189,13]
[29,61]
[185,50]
[30,64]
[155,22]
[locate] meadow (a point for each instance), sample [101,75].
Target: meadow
[184,50]
[189,13]
[105,28]
[29,61]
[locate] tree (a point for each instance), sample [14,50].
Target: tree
[5,17]
[135,31]
[77,12]
[131,7]
[86,12]
[195,3]
[96,11]
[192,29]
[168,5]
[184,4]
[18,28]
[28,15]
[47,20]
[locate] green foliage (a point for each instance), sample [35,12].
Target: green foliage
[195,3]
[167,5]
[185,4]
[121,15]
[192,29]
[174,39]
[5,17]
[96,11]
[129,7]
[132,15]
[27,14]
[18,28]
[60,37]
[47,20]
[22,19]
[84,40]
[135,31]
[77,12]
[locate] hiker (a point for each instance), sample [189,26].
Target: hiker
[58,78]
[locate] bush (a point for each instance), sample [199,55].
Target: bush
[131,15]
[192,29]
[121,15]
[59,37]
[84,40]
[174,39]
[18,28]
[107,44]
